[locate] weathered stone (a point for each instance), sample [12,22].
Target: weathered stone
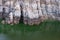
[33,11]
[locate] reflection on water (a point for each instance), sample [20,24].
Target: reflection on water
[37,35]
[3,37]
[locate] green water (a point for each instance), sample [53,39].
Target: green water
[48,30]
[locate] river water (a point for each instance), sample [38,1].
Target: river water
[37,35]
[4,37]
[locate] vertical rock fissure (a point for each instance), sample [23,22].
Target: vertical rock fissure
[21,18]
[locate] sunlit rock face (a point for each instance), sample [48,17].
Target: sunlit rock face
[17,12]
[0,2]
[1,8]
[33,11]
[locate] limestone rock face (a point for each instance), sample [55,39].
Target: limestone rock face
[32,11]
[0,2]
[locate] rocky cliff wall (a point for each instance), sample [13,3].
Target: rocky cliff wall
[33,11]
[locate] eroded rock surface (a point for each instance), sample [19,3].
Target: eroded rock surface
[33,11]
